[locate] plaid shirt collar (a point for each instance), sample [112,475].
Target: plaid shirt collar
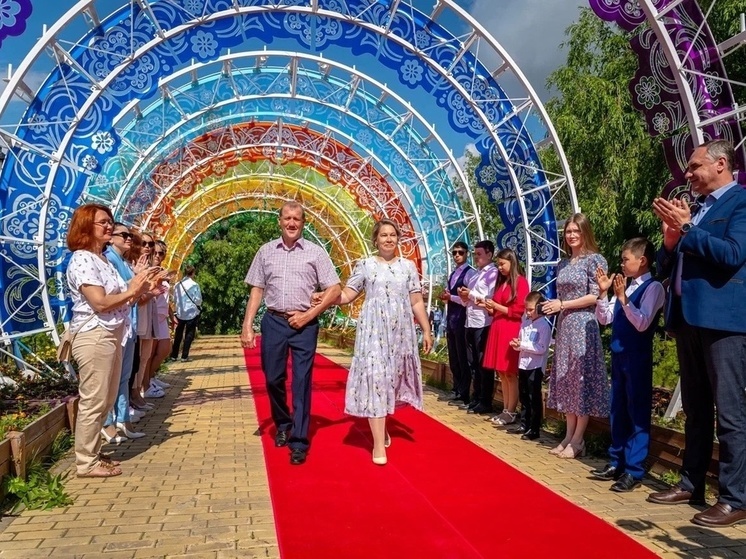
[299,243]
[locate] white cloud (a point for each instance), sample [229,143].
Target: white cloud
[531,32]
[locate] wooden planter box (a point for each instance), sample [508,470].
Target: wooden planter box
[35,441]
[6,462]
[433,373]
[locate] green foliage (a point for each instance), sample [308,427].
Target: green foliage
[60,445]
[617,167]
[42,490]
[665,362]
[724,23]
[670,477]
[222,257]
[14,422]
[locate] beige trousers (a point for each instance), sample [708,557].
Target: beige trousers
[98,353]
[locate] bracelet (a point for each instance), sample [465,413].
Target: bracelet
[562,305]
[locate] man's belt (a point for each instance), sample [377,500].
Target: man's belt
[283,315]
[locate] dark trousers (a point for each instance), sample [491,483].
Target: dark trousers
[631,402]
[457,361]
[713,372]
[484,379]
[529,393]
[186,329]
[279,340]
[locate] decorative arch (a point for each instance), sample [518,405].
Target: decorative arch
[79,125]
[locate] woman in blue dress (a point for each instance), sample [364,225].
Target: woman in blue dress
[578,384]
[385,369]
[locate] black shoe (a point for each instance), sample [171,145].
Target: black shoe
[479,409]
[448,397]
[530,436]
[517,430]
[607,473]
[297,456]
[457,402]
[625,483]
[467,405]
[281,438]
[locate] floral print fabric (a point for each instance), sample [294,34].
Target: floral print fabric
[578,383]
[385,367]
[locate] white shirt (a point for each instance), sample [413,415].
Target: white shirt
[481,286]
[650,304]
[86,268]
[535,336]
[187,296]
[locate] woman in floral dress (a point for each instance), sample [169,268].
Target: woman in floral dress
[578,385]
[385,367]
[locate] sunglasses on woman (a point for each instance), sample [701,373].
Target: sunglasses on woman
[150,244]
[122,234]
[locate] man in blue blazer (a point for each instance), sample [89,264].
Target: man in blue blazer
[704,253]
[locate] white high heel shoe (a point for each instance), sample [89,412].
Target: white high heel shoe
[379,460]
[116,439]
[129,434]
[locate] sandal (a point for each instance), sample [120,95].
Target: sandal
[108,460]
[496,419]
[103,470]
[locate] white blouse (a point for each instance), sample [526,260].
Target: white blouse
[86,268]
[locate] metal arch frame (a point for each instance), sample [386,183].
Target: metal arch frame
[388,92]
[165,193]
[655,19]
[371,155]
[81,6]
[316,195]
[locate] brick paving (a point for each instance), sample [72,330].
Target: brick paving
[196,487]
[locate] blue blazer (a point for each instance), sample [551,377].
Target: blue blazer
[713,278]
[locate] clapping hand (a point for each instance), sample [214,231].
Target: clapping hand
[463,292]
[604,282]
[620,288]
[141,264]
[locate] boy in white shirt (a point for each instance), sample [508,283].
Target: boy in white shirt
[533,344]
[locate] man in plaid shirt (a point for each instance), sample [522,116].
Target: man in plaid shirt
[285,272]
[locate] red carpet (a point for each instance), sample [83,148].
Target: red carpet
[440,496]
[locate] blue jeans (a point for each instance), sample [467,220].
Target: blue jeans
[120,413]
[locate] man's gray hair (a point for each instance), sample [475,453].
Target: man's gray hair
[721,148]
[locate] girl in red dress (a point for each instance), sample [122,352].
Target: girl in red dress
[506,306]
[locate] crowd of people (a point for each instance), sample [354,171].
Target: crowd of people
[496,327]
[121,324]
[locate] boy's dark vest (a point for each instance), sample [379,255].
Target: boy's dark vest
[624,336]
[456,312]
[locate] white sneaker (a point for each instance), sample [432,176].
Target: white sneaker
[154,392]
[160,383]
[136,413]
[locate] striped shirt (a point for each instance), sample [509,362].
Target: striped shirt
[290,275]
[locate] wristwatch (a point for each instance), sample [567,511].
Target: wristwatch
[684,229]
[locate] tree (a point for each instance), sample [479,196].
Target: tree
[222,257]
[617,167]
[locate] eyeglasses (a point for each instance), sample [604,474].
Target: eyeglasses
[150,244]
[160,253]
[458,252]
[105,223]
[122,234]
